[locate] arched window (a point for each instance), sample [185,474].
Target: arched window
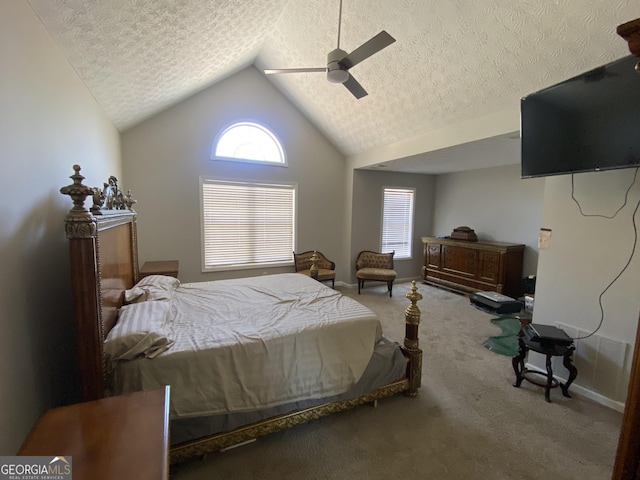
[248,142]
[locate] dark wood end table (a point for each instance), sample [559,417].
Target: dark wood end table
[549,348]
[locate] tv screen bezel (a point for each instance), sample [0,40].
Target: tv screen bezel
[602,86]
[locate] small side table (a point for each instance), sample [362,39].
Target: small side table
[162,267]
[123,437]
[548,347]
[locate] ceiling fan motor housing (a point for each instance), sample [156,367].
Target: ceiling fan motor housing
[335,72]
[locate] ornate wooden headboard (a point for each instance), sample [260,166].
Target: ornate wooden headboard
[103,252]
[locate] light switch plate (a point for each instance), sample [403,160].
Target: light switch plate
[544,238]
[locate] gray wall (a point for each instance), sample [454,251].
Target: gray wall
[165,156]
[366,226]
[496,203]
[586,254]
[48,122]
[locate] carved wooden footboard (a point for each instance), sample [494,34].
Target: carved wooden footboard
[409,385]
[104,263]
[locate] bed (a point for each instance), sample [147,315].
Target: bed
[234,381]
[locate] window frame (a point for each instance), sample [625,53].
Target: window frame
[243,123]
[293,187]
[411,218]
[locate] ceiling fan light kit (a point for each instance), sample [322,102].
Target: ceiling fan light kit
[335,72]
[339,62]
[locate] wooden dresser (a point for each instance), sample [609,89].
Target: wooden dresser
[123,437]
[467,266]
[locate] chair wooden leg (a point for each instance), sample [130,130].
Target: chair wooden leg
[360,284]
[390,286]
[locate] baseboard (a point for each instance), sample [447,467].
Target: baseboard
[585,392]
[397,280]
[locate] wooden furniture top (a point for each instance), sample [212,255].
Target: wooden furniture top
[123,437]
[630,31]
[480,244]
[160,267]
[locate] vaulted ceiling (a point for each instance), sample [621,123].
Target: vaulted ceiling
[453,60]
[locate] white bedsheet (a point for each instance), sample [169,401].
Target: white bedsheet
[247,344]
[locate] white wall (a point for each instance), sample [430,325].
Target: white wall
[586,254]
[496,203]
[165,156]
[48,122]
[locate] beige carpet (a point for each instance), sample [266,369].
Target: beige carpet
[467,422]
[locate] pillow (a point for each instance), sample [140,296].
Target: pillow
[146,292]
[152,287]
[141,330]
[136,294]
[162,281]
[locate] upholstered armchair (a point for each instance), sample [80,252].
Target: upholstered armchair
[315,265]
[375,266]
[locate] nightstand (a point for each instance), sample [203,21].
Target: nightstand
[162,267]
[123,437]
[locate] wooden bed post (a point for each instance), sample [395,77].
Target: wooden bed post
[627,464]
[313,269]
[81,229]
[411,346]
[99,275]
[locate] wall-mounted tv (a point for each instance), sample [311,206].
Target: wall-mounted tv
[587,123]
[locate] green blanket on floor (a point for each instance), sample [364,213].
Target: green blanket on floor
[507,342]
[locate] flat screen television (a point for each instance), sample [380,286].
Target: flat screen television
[588,123]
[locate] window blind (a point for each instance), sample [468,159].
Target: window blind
[397,221]
[247,224]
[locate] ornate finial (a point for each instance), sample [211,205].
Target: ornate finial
[129,200]
[412,318]
[412,313]
[79,223]
[313,270]
[98,201]
[411,342]
[77,191]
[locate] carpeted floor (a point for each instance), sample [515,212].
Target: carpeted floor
[468,421]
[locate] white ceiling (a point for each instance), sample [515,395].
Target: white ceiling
[453,60]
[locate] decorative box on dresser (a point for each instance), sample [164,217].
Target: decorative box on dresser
[467,266]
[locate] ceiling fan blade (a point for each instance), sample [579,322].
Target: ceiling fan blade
[295,70]
[355,88]
[368,48]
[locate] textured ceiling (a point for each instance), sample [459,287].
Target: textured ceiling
[452,60]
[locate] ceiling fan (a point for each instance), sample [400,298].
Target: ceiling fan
[339,62]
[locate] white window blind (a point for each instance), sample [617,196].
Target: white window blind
[247,225]
[397,221]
